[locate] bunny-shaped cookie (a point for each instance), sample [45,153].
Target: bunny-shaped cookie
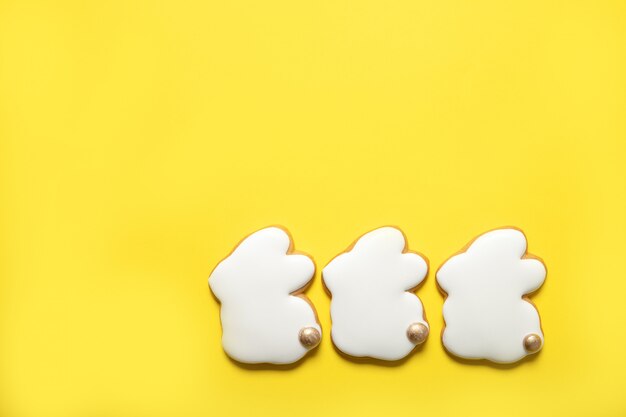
[485,313]
[373,313]
[264,318]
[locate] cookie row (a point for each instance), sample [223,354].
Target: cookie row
[375,313]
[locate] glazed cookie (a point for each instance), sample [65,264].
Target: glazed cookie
[485,312]
[373,312]
[265,318]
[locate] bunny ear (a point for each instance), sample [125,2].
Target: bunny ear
[269,240]
[250,258]
[383,240]
[505,242]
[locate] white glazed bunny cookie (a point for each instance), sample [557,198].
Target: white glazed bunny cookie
[264,318]
[485,313]
[373,313]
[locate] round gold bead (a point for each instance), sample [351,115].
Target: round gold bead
[309,337]
[417,333]
[532,343]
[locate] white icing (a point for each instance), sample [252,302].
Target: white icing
[485,315]
[261,319]
[371,307]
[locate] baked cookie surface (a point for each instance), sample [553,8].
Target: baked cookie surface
[265,318]
[373,312]
[486,314]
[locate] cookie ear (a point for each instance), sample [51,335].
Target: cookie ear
[533,274]
[381,241]
[269,240]
[507,242]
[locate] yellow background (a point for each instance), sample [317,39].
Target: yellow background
[139,141]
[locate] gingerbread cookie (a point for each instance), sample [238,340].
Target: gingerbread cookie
[265,318]
[373,312]
[485,312]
